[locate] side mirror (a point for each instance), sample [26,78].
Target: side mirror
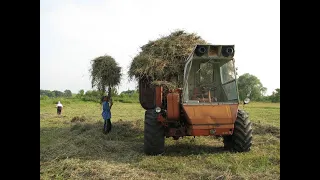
[246,101]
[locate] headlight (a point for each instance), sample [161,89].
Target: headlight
[158,109]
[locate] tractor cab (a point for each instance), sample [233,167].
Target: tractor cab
[210,76]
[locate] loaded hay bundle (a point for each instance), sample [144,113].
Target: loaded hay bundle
[105,72]
[163,59]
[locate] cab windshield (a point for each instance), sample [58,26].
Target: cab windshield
[209,81]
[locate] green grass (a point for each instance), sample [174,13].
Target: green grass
[79,150]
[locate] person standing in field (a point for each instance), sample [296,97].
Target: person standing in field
[106,114]
[59,107]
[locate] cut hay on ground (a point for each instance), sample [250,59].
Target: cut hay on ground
[78,119]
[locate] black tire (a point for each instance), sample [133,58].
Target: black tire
[153,134]
[241,139]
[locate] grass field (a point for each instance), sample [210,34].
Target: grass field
[70,149]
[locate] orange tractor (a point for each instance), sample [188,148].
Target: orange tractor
[207,105]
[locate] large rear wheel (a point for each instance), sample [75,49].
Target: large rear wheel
[241,139]
[153,134]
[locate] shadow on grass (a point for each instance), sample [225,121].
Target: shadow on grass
[192,149]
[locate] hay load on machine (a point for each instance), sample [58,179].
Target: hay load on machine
[199,100]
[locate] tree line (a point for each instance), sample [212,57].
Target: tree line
[248,86]
[129,96]
[55,93]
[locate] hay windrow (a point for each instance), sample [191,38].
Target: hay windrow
[266,129]
[163,59]
[79,119]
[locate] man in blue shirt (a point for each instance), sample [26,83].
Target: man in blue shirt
[106,114]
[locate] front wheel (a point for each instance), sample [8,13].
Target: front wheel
[241,139]
[153,134]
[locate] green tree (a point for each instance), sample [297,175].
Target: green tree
[47,93]
[67,93]
[57,93]
[92,95]
[105,73]
[44,97]
[128,93]
[80,93]
[114,92]
[249,85]
[275,97]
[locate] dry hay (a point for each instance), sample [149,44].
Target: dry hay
[165,84]
[163,59]
[105,71]
[266,129]
[78,119]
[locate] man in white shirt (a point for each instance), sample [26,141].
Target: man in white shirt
[59,108]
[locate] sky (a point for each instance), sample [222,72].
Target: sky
[73,32]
